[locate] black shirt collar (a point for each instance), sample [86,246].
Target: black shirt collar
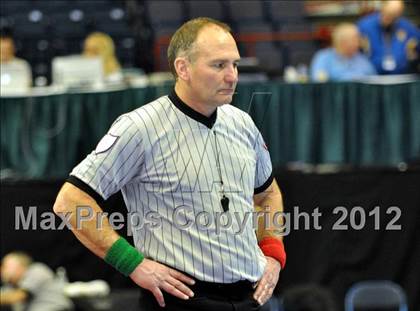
[207,121]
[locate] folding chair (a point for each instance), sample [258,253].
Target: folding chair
[375,295]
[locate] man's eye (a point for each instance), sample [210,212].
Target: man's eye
[219,65]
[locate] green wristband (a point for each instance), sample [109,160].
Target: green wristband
[123,257]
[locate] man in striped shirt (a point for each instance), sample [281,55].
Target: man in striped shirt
[183,160]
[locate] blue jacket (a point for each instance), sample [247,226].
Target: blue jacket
[404,45]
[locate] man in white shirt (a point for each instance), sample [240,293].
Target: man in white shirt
[15,72]
[342,61]
[176,159]
[31,285]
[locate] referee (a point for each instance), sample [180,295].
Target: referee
[178,158]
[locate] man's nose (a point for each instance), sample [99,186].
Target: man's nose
[231,75]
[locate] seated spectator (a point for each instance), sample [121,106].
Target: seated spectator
[343,61]
[31,285]
[311,297]
[10,63]
[391,42]
[99,44]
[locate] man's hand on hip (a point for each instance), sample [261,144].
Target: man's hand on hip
[154,277]
[268,281]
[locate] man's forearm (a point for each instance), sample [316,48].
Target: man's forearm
[270,202]
[12,296]
[83,211]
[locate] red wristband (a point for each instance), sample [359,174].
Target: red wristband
[273,247]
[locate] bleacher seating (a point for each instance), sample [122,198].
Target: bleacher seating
[249,12]
[298,51]
[112,21]
[126,51]
[53,7]
[269,53]
[30,24]
[45,29]
[8,7]
[69,25]
[212,8]
[165,16]
[285,12]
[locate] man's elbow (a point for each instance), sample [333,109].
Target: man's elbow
[59,205]
[62,203]
[69,198]
[12,297]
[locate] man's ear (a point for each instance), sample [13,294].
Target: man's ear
[182,68]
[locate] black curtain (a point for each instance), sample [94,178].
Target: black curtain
[333,258]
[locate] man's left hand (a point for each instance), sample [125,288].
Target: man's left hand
[268,281]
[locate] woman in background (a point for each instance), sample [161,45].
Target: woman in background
[99,44]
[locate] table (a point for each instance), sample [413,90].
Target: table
[341,123]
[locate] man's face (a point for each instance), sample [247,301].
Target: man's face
[391,11]
[213,72]
[351,44]
[11,270]
[7,50]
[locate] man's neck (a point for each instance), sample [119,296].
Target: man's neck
[386,26]
[186,97]
[342,54]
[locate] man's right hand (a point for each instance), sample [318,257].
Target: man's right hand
[154,277]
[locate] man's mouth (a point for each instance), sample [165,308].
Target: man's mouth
[227,91]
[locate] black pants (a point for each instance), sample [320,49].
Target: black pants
[207,297]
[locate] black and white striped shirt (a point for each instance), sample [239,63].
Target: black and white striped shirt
[166,157]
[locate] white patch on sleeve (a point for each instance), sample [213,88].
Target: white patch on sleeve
[106,143]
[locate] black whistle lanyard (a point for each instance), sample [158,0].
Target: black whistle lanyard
[224,201]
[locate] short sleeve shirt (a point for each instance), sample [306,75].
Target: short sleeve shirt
[173,166]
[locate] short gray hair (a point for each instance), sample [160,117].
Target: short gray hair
[182,42]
